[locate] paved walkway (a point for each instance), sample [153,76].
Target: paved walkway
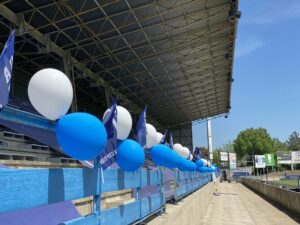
[237,205]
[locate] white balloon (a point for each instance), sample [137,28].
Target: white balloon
[190,157]
[178,148]
[50,92]
[204,162]
[159,136]
[150,136]
[208,164]
[182,151]
[186,152]
[124,122]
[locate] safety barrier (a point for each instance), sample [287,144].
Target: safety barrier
[27,188]
[186,183]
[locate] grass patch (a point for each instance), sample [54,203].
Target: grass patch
[287,182]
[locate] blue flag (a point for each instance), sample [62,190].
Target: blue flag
[171,141]
[163,140]
[140,131]
[197,154]
[109,155]
[6,64]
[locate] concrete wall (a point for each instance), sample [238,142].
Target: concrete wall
[286,198]
[190,211]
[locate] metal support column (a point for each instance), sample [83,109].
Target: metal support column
[209,139]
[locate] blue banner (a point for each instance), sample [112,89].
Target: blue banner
[6,64]
[197,154]
[109,155]
[140,131]
[163,140]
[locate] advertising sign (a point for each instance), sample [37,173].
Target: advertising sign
[269,159]
[260,161]
[224,156]
[232,161]
[284,157]
[296,157]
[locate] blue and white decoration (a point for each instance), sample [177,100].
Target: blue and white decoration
[109,155]
[130,155]
[6,65]
[140,131]
[83,136]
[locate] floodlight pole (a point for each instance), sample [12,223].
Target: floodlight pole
[209,139]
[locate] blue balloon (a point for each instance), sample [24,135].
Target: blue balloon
[81,135]
[203,169]
[191,166]
[199,163]
[183,165]
[162,155]
[209,169]
[186,165]
[176,159]
[130,156]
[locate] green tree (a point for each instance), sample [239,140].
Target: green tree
[253,142]
[279,146]
[204,151]
[225,148]
[293,143]
[216,157]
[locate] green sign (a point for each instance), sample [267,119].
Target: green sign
[269,159]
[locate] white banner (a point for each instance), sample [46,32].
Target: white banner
[296,157]
[224,156]
[232,161]
[284,157]
[260,161]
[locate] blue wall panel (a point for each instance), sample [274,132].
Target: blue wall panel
[150,177]
[151,204]
[115,179]
[92,219]
[28,188]
[124,214]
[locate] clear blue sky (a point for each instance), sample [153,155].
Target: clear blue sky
[266,88]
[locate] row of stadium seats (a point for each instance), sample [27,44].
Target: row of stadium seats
[16,146]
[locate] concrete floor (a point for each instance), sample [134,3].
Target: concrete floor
[237,205]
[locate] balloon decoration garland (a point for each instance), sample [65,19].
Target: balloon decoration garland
[83,136]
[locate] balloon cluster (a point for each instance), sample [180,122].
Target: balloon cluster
[80,135]
[83,136]
[180,158]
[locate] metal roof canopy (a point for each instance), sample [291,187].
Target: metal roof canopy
[174,56]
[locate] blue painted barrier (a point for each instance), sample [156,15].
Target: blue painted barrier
[29,188]
[188,182]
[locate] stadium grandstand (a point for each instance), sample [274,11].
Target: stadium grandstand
[173,56]
[176,57]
